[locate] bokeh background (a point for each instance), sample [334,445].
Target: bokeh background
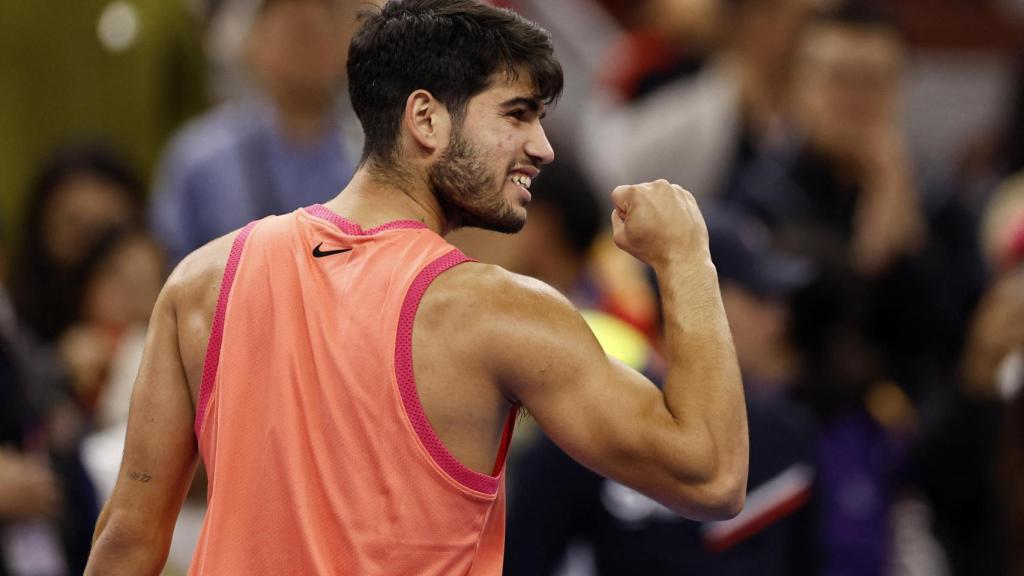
[860,164]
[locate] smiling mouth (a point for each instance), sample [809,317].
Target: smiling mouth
[522,180]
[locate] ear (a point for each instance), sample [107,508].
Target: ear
[426,121]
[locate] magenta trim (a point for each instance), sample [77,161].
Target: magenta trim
[212,360]
[353,229]
[506,440]
[407,382]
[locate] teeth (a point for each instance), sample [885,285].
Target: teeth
[523,180]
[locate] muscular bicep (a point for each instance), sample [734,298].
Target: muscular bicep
[601,412]
[160,447]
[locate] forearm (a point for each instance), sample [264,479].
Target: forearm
[101,522]
[703,388]
[120,549]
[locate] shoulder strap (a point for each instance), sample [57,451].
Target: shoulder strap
[212,360]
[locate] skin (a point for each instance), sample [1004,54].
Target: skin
[686,447]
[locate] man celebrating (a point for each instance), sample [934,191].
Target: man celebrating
[351,380]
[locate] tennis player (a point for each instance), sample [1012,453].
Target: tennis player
[351,380]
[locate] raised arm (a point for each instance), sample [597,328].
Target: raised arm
[685,446]
[134,531]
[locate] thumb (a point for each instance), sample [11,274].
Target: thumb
[621,199]
[618,228]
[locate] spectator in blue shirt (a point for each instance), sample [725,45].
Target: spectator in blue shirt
[290,145]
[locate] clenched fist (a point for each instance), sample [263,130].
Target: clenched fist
[659,223]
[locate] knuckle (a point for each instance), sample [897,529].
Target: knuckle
[622,191]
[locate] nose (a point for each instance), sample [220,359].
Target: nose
[538,148]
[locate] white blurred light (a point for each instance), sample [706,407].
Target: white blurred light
[118,27]
[1010,375]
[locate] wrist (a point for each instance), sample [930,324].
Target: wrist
[676,262]
[689,282]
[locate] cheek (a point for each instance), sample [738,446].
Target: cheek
[499,141]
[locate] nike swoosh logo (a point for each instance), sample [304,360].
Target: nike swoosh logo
[318,253]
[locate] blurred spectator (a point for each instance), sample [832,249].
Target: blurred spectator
[119,281]
[993,363]
[80,192]
[129,71]
[47,503]
[883,327]
[757,284]
[994,358]
[776,532]
[846,196]
[288,147]
[698,129]
[999,327]
[858,450]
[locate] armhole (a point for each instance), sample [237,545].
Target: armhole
[506,440]
[212,360]
[470,479]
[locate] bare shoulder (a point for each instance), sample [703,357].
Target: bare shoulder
[201,271]
[485,289]
[509,325]
[190,299]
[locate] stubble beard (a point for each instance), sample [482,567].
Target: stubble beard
[468,194]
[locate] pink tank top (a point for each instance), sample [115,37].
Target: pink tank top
[320,458]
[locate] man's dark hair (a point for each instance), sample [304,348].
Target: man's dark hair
[451,48]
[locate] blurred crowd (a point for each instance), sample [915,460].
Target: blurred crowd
[860,165]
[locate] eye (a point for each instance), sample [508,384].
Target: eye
[519,114]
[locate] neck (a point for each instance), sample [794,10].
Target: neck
[376,196]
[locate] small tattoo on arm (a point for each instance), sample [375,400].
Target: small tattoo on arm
[139,476]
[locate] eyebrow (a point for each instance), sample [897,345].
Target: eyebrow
[533,104]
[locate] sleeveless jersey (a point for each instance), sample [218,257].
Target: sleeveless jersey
[320,458]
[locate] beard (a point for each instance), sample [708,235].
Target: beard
[468,195]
